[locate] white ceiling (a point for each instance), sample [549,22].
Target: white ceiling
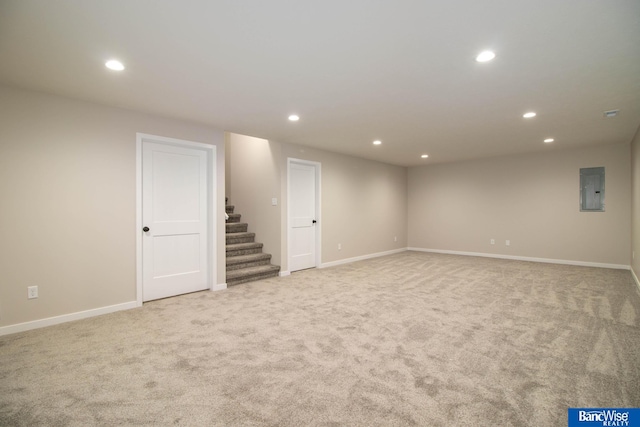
[354,70]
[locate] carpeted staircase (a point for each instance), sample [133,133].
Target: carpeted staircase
[245,260]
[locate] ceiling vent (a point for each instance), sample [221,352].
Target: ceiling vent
[611,113]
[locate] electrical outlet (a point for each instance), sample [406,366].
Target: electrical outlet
[339,246]
[493,241]
[507,242]
[395,238]
[32,292]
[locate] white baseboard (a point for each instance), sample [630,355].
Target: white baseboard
[50,321]
[219,287]
[361,258]
[523,258]
[285,273]
[635,277]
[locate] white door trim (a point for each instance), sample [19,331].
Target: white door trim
[211,197]
[318,228]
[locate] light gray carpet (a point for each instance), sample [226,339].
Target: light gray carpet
[408,339]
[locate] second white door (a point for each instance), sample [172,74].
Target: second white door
[302,215]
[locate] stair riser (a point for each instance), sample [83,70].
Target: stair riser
[229,209]
[240,280]
[232,240]
[233,218]
[244,252]
[248,264]
[236,227]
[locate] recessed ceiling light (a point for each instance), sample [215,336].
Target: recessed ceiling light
[529,115]
[485,56]
[114,64]
[294,118]
[377,142]
[548,140]
[424,156]
[611,113]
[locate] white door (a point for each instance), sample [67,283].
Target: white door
[174,216]
[302,215]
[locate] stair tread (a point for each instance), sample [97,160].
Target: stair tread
[238,259]
[241,234]
[252,271]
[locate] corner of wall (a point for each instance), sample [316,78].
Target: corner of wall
[227,164]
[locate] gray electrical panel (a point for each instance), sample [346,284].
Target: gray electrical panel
[592,189]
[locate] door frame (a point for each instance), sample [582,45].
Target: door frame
[318,231]
[211,204]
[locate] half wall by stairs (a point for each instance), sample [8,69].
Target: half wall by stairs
[245,260]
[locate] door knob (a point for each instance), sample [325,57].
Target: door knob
[145,229]
[314,221]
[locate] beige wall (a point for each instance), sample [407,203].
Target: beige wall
[532,200]
[363,203]
[68,186]
[635,203]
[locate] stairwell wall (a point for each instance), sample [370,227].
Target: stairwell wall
[254,180]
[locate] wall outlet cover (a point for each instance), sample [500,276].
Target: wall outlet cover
[32,292]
